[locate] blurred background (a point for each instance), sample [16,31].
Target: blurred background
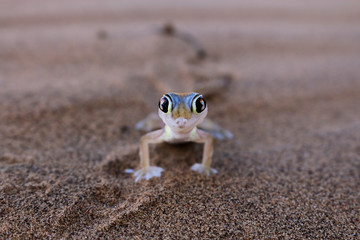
[76,48]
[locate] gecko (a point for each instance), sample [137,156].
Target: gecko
[183,117]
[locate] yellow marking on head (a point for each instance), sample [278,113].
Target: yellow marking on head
[181,111]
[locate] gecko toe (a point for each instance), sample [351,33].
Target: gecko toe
[147,173]
[200,168]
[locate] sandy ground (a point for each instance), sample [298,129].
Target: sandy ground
[75,77]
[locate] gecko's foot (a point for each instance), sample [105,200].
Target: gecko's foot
[147,173]
[200,168]
[222,134]
[151,122]
[215,130]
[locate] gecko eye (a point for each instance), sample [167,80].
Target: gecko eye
[199,104]
[165,104]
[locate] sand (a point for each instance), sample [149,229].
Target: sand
[75,77]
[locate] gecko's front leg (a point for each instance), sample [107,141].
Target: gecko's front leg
[146,171]
[204,166]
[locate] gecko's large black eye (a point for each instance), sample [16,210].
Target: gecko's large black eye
[164,104]
[199,105]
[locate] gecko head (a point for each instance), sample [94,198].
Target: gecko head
[182,111]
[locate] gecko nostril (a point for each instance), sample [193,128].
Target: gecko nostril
[181,121]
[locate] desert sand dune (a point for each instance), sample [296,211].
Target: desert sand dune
[75,77]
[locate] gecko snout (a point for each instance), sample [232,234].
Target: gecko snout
[181,122]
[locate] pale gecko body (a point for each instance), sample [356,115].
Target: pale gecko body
[181,113]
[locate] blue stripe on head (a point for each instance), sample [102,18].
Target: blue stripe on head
[178,98]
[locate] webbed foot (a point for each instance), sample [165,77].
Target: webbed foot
[200,168]
[215,130]
[147,173]
[151,122]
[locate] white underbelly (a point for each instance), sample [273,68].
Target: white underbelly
[179,140]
